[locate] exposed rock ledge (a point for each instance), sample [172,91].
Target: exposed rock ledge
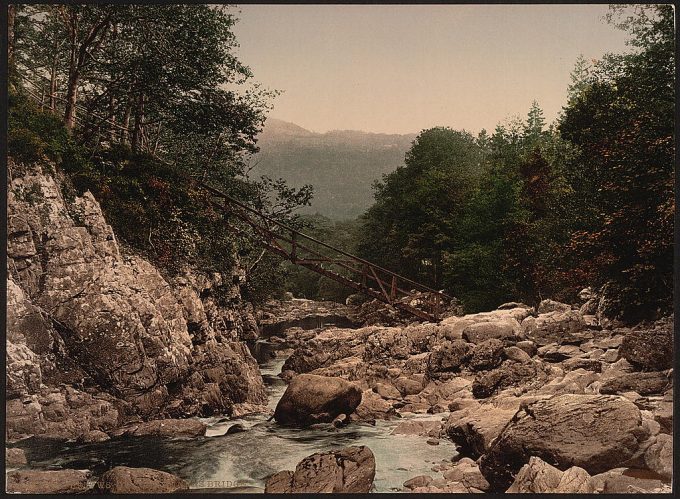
[97,338]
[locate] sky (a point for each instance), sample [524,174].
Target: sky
[404,68]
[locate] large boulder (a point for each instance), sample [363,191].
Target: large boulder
[47,482]
[166,428]
[482,331]
[451,357]
[486,355]
[474,429]
[646,383]
[125,480]
[649,349]
[508,374]
[311,399]
[348,470]
[594,432]
[538,477]
[659,456]
[553,327]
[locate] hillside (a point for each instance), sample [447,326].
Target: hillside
[341,164]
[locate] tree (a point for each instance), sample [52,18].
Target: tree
[414,217]
[625,169]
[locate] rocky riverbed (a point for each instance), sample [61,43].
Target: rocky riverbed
[122,379]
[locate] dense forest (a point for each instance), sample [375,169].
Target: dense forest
[530,211]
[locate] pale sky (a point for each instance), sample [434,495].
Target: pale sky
[403,68]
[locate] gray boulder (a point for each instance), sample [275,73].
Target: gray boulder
[311,399]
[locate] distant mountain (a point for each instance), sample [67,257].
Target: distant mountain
[341,164]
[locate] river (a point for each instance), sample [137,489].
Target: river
[241,462]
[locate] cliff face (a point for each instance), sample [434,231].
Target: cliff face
[97,338]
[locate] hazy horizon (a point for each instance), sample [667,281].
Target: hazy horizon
[404,68]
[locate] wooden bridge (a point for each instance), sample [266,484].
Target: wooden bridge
[347,269]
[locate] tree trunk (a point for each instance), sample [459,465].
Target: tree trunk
[71,99]
[139,119]
[11,16]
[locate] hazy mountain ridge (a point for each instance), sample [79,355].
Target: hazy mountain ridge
[341,164]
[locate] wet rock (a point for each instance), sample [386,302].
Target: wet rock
[340,421]
[538,477]
[125,480]
[418,427]
[567,430]
[474,429]
[486,355]
[451,357]
[47,482]
[646,383]
[279,483]
[373,407]
[649,349]
[418,481]
[15,457]
[348,470]
[166,428]
[311,399]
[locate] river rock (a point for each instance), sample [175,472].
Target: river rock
[386,391]
[450,357]
[646,383]
[508,374]
[311,399]
[553,327]
[166,428]
[373,407]
[516,354]
[418,481]
[594,432]
[47,482]
[486,355]
[538,477]
[649,349]
[418,427]
[125,480]
[659,456]
[483,331]
[348,470]
[474,429]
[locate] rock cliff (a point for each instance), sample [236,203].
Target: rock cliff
[97,337]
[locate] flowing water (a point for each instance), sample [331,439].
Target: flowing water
[240,462]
